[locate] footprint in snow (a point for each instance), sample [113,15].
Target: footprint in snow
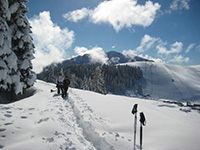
[69,133]
[18,128]
[2,130]
[43,120]
[48,139]
[1,146]
[6,108]
[3,136]
[8,115]
[9,112]
[31,109]
[20,108]
[6,124]
[24,117]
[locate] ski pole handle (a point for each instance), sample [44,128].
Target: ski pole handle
[134,110]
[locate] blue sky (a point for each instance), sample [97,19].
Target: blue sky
[164,30]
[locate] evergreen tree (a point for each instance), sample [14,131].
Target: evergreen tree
[85,83]
[22,42]
[140,91]
[8,59]
[16,48]
[74,81]
[98,82]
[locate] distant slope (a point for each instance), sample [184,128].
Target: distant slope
[164,81]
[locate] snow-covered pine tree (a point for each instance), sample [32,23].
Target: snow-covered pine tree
[98,82]
[8,59]
[85,83]
[16,47]
[74,81]
[22,43]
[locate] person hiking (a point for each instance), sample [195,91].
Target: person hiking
[66,83]
[59,83]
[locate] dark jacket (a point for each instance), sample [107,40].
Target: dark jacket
[66,83]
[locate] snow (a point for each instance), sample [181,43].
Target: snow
[3,74]
[165,81]
[20,22]
[31,78]
[2,64]
[91,121]
[25,64]
[19,34]
[1,38]
[14,7]
[5,49]
[11,61]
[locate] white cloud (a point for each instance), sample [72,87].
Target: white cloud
[131,53]
[165,52]
[113,47]
[118,13]
[77,15]
[180,4]
[125,13]
[175,48]
[198,47]
[80,50]
[151,58]
[97,54]
[146,43]
[50,41]
[179,59]
[190,47]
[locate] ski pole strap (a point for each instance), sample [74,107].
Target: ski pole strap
[142,119]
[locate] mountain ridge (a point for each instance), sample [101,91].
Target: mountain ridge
[112,56]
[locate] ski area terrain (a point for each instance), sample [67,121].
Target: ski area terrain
[92,121]
[167,81]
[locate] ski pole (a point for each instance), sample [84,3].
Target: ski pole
[140,136]
[134,112]
[142,123]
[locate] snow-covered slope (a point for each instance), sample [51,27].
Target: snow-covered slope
[91,121]
[165,81]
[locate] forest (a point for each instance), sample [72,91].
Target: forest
[116,79]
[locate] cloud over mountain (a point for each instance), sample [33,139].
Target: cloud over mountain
[96,54]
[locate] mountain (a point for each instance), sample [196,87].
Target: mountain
[92,121]
[156,80]
[113,57]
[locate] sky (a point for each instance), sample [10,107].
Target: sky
[164,31]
